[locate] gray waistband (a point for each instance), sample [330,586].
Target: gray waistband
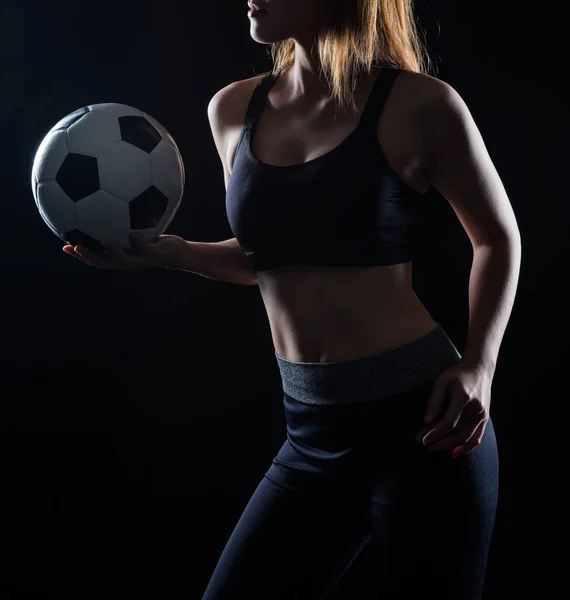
[388,373]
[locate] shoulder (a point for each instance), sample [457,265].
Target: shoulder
[230,102]
[437,110]
[424,92]
[433,102]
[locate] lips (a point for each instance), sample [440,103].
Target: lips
[256,6]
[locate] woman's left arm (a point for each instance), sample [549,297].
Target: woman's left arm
[460,169]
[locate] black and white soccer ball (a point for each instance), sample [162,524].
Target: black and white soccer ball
[104,171]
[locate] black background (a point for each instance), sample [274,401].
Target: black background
[139,411]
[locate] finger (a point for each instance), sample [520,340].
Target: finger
[472,442]
[449,421]
[459,438]
[470,417]
[97,259]
[69,250]
[422,432]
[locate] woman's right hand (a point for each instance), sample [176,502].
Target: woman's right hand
[142,254]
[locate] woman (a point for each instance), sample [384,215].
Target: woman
[389,435]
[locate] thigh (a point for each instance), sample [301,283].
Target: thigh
[432,522]
[295,539]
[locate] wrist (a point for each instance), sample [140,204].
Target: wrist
[174,255]
[221,261]
[479,361]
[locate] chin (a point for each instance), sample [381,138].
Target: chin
[261,38]
[262,33]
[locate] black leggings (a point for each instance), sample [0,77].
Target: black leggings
[352,472]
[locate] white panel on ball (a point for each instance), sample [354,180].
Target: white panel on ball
[50,156]
[115,110]
[164,176]
[102,215]
[125,171]
[168,180]
[55,206]
[93,135]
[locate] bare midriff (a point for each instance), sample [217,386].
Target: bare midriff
[329,314]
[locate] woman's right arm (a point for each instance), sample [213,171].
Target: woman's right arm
[226,260]
[222,261]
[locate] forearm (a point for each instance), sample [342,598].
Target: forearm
[492,289]
[221,261]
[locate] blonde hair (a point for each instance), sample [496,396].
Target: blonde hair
[364,33]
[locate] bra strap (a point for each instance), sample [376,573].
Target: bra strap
[257,100]
[378,97]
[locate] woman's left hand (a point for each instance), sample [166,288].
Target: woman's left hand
[467,389]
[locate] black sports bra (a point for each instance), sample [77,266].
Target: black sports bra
[345,208]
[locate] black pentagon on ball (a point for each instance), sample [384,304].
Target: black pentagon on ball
[147,209]
[78,176]
[70,119]
[78,238]
[139,132]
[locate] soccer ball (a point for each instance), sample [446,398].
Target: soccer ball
[105,170]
